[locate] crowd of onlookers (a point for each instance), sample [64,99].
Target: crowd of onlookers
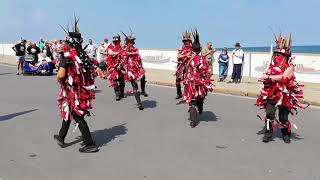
[46,56]
[37,57]
[237,58]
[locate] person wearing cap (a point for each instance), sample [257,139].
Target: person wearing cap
[115,67]
[184,54]
[237,58]
[20,50]
[280,91]
[197,81]
[77,90]
[208,53]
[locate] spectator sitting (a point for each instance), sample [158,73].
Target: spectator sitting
[34,50]
[47,50]
[223,64]
[42,67]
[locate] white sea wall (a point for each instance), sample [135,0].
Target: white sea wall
[307,65]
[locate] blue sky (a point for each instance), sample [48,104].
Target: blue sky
[160,23]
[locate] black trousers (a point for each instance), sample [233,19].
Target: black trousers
[283,116]
[178,86]
[83,126]
[236,73]
[199,104]
[143,84]
[119,88]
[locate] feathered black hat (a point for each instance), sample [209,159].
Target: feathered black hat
[116,37]
[75,32]
[283,44]
[196,46]
[129,38]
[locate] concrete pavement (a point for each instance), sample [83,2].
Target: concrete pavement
[155,144]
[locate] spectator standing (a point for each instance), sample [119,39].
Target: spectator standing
[208,53]
[90,49]
[223,64]
[237,58]
[20,50]
[41,44]
[102,50]
[34,50]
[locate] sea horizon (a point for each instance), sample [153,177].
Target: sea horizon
[305,49]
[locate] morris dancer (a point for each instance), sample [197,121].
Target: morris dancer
[196,81]
[115,67]
[76,94]
[183,57]
[133,67]
[280,90]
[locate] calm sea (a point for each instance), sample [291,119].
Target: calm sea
[295,49]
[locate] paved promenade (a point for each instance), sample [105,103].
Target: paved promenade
[154,144]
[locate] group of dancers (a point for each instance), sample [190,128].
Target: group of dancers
[123,64]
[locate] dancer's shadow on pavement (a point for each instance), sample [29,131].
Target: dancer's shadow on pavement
[278,135]
[207,116]
[104,136]
[97,91]
[5,74]
[13,115]
[149,104]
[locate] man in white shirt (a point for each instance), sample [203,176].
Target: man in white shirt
[237,58]
[91,49]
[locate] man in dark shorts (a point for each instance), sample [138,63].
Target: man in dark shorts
[20,50]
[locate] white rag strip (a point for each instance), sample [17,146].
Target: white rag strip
[280,101]
[89,87]
[77,65]
[268,124]
[70,80]
[66,54]
[78,59]
[75,128]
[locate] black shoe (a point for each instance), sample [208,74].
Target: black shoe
[141,107]
[193,124]
[118,98]
[267,137]
[59,140]
[89,149]
[144,94]
[179,96]
[286,139]
[229,82]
